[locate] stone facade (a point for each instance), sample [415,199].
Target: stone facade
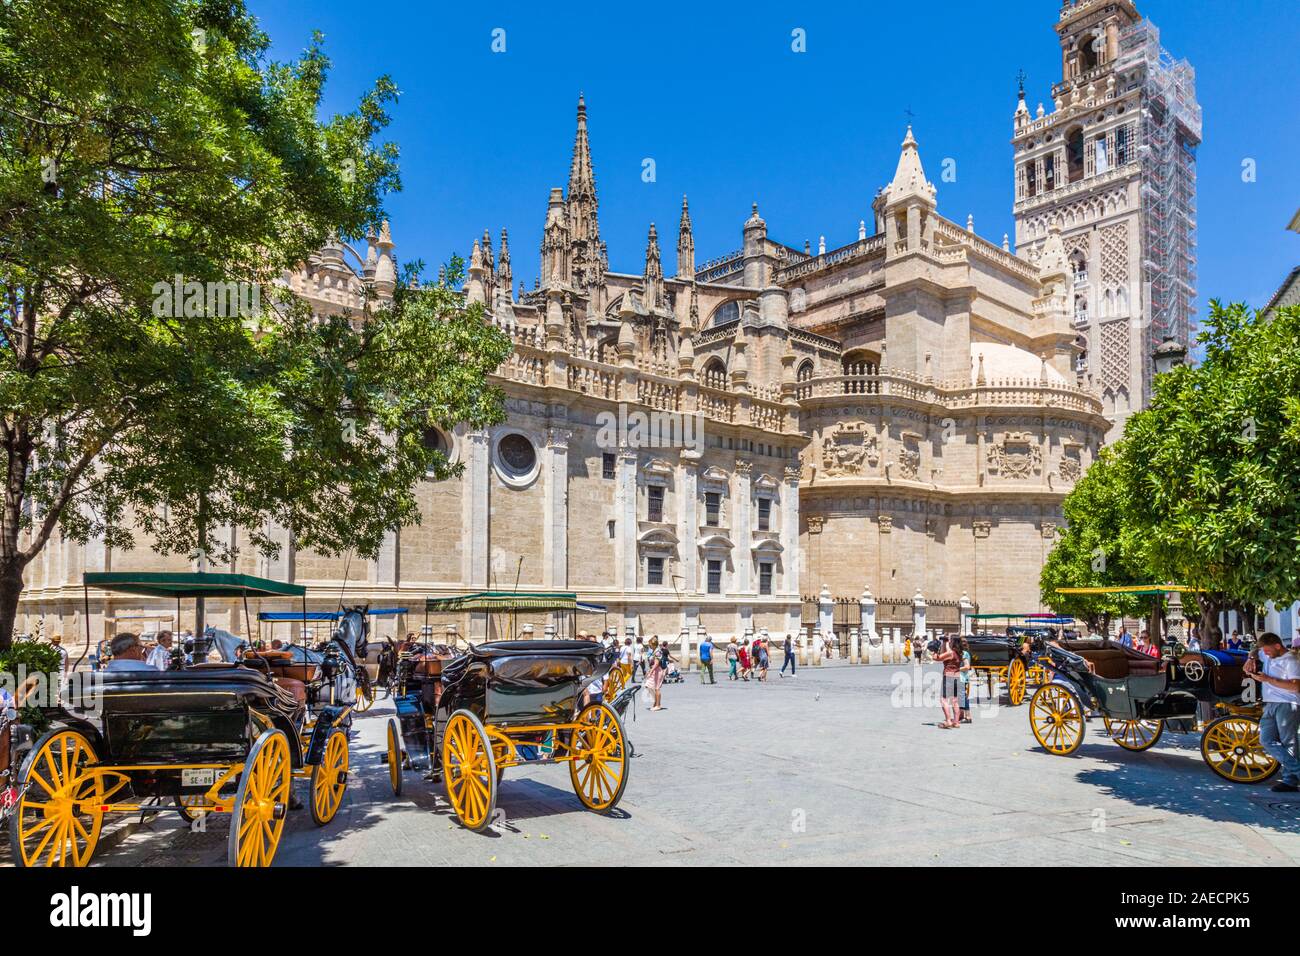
[703,449]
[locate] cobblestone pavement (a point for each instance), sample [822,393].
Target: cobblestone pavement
[843,765]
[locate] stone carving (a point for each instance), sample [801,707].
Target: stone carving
[849,450]
[886,524]
[1071,469]
[816,523]
[1114,254]
[1016,456]
[909,463]
[1114,353]
[982,528]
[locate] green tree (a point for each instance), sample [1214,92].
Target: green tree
[1098,548]
[145,140]
[1213,465]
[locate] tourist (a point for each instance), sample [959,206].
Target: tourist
[743,654]
[918,648]
[706,658]
[160,656]
[733,659]
[761,658]
[57,641]
[967,671]
[638,658]
[1234,642]
[625,657]
[128,654]
[951,690]
[654,678]
[788,650]
[1125,639]
[1278,669]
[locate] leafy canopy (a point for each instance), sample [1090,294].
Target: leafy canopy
[146,142]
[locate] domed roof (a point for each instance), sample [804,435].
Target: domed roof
[1006,361]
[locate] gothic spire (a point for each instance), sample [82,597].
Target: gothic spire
[685,245]
[582,180]
[654,271]
[503,269]
[909,178]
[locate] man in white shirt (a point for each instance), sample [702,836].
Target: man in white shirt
[1279,725]
[161,654]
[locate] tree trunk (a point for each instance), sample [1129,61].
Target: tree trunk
[1211,634]
[11,586]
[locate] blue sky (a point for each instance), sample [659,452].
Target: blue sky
[731,115]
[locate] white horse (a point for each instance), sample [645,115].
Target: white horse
[227,644]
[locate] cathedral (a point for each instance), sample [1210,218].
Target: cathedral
[778,439]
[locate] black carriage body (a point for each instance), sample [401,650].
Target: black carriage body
[522,682]
[1124,684]
[991,650]
[207,714]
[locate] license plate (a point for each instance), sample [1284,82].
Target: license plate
[198,778]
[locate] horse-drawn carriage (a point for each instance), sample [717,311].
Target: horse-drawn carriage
[467,715]
[336,669]
[1004,660]
[221,738]
[1139,697]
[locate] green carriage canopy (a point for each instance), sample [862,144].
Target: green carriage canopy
[190,584]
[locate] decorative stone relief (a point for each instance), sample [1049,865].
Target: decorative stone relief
[1114,254]
[1070,469]
[982,529]
[1016,456]
[909,463]
[886,524]
[847,449]
[1114,353]
[816,523]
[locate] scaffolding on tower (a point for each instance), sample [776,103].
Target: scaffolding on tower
[1168,136]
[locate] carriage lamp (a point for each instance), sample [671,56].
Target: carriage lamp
[1169,354]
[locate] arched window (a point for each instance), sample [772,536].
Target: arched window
[1074,153]
[1089,54]
[860,368]
[714,374]
[727,312]
[805,372]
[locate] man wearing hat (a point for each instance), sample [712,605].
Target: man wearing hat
[57,641]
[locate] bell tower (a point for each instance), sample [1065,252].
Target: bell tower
[1112,164]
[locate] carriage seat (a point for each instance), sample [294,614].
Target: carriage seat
[1118,663]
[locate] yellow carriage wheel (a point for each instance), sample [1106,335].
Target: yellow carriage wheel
[395,756]
[1231,747]
[261,802]
[469,770]
[329,778]
[1135,735]
[365,696]
[57,820]
[598,767]
[615,681]
[1056,718]
[1016,682]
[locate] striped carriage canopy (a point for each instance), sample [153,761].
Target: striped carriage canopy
[190,584]
[510,601]
[324,615]
[1028,618]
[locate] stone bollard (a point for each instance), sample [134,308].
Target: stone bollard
[854,648]
[802,648]
[684,650]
